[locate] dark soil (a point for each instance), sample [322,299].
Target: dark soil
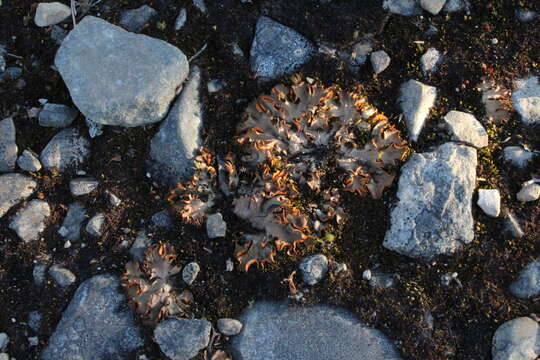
[465,317]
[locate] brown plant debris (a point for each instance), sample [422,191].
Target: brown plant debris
[496,99]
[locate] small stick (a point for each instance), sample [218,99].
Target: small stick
[73,13]
[198,52]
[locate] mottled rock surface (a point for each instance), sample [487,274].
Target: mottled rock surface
[182,339]
[62,276]
[527,285]
[52,13]
[402,7]
[379,61]
[489,201]
[136,19]
[526,99]
[313,268]
[29,161]
[71,227]
[57,115]
[517,339]
[416,99]
[66,149]
[29,222]
[13,189]
[465,128]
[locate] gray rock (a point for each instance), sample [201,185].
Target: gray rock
[38,273]
[4,341]
[13,189]
[379,61]
[200,5]
[29,161]
[136,19]
[94,129]
[229,327]
[431,59]
[95,225]
[181,19]
[113,199]
[11,74]
[190,272]
[517,339]
[452,6]
[48,14]
[358,55]
[512,225]
[161,219]
[2,64]
[434,213]
[62,276]
[279,332]
[66,149]
[4,356]
[465,128]
[529,192]
[29,222]
[527,284]
[432,6]
[34,320]
[526,99]
[8,146]
[173,148]
[182,339]
[132,85]
[215,85]
[215,226]
[58,34]
[71,227]
[525,15]
[278,50]
[139,246]
[517,156]
[313,268]
[381,280]
[95,325]
[416,99]
[57,115]
[402,7]
[489,201]
[83,186]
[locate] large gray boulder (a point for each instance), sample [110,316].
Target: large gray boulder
[30,220]
[66,149]
[182,339]
[527,284]
[416,99]
[526,99]
[95,325]
[433,215]
[8,146]
[173,148]
[13,189]
[278,50]
[119,78]
[278,332]
[517,339]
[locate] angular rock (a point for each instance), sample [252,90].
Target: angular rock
[278,50]
[215,226]
[29,222]
[432,6]
[182,339]
[71,227]
[379,61]
[529,192]
[66,149]
[433,215]
[279,332]
[13,189]
[161,219]
[402,7]
[181,19]
[38,273]
[132,85]
[229,327]
[96,325]
[34,321]
[431,60]
[48,14]
[518,156]
[95,225]
[489,201]
[416,99]
[517,339]
[527,284]
[465,128]
[526,99]
[83,186]
[61,275]
[173,148]
[313,268]
[190,272]
[57,115]
[135,20]
[29,161]
[8,146]
[2,64]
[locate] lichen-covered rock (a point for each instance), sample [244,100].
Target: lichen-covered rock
[66,149]
[431,60]
[216,227]
[229,327]
[62,276]
[190,272]
[313,268]
[465,128]
[182,339]
[13,189]
[433,215]
[518,156]
[116,77]
[527,284]
[529,192]
[8,146]
[29,222]
[82,186]
[416,99]
[526,99]
[95,225]
[432,6]
[517,339]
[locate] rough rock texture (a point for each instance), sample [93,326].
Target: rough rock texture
[465,128]
[62,276]
[527,284]
[161,219]
[8,146]
[182,339]
[65,149]
[29,222]
[71,227]
[431,60]
[525,15]
[402,7]
[279,332]
[529,192]
[135,19]
[95,225]
[29,161]
[416,99]
[434,213]
[489,201]
[457,5]
[432,6]
[132,85]
[82,186]
[190,272]
[216,227]
[278,50]
[517,339]
[175,145]
[38,273]
[517,156]
[48,14]
[13,189]
[229,327]
[379,61]
[181,19]
[526,99]
[57,115]
[313,268]
[95,325]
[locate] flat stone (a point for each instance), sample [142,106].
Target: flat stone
[95,225]
[182,339]
[465,128]
[66,149]
[57,115]
[527,284]
[379,61]
[8,146]
[517,339]
[433,215]
[431,60]
[278,50]
[174,147]
[161,219]
[29,222]
[229,327]
[13,189]
[83,186]
[96,325]
[526,99]
[190,272]
[48,14]
[215,226]
[136,19]
[518,156]
[489,201]
[275,331]
[416,100]
[529,192]
[313,268]
[62,276]
[29,161]
[71,227]
[132,85]
[402,7]
[181,19]
[432,6]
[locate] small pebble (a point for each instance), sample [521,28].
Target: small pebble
[95,225]
[113,199]
[229,327]
[313,268]
[216,85]
[215,226]
[190,272]
[33,341]
[229,265]
[83,186]
[366,275]
[4,340]
[180,19]
[61,275]
[489,200]
[29,161]
[529,192]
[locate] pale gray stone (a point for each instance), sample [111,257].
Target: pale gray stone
[452,6]
[430,61]
[48,14]
[432,6]
[313,268]
[95,225]
[4,341]
[402,7]
[181,19]
[525,15]
[229,327]
[379,61]
[215,85]
[526,99]
[161,219]
[517,339]
[29,161]
[62,276]
[71,227]
[94,129]
[39,273]
[182,339]
[13,189]
[2,63]
[216,227]
[527,284]
[465,128]
[29,222]
[529,192]
[489,201]
[200,5]
[116,77]
[66,149]
[190,272]
[8,146]
[82,186]
[57,115]
[34,320]
[136,19]
[381,280]
[433,215]
[518,156]
[416,99]
[358,55]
